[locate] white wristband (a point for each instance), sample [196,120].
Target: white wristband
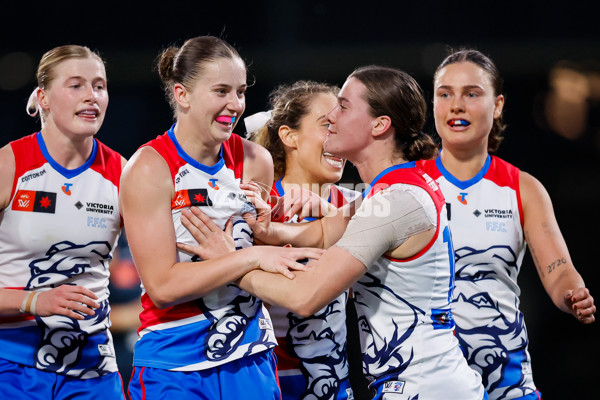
[26,302]
[33,302]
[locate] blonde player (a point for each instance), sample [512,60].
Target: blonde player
[59,225]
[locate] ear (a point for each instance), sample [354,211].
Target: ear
[288,136]
[180,94]
[381,125]
[498,106]
[42,99]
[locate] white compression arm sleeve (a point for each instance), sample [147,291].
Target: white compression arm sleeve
[386,220]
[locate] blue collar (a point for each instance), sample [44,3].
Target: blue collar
[211,170]
[67,173]
[409,164]
[463,184]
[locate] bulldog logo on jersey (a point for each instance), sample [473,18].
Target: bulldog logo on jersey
[35,201]
[325,368]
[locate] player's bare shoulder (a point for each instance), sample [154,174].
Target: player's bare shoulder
[146,162]
[258,164]
[7,174]
[532,190]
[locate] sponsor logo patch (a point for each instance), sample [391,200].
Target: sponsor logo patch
[264,323]
[495,213]
[393,387]
[191,197]
[35,201]
[99,208]
[526,368]
[495,226]
[349,394]
[213,183]
[33,175]
[66,188]
[96,222]
[181,175]
[105,350]
[432,184]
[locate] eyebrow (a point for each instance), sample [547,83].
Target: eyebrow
[447,87]
[226,85]
[79,77]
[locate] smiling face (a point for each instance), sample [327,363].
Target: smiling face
[317,165]
[350,122]
[76,99]
[465,106]
[218,98]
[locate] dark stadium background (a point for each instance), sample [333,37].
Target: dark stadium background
[283,41]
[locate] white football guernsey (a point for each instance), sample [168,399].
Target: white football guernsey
[312,359]
[486,220]
[403,308]
[60,227]
[229,323]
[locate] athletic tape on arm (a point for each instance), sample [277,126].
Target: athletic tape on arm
[385,221]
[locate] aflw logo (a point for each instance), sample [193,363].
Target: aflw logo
[191,197]
[35,201]
[23,203]
[179,201]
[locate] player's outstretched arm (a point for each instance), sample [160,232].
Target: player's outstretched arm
[550,253]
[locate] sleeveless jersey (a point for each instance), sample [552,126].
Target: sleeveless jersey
[403,308]
[313,349]
[229,323]
[486,219]
[60,227]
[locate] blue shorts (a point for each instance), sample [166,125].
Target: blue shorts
[22,382]
[250,378]
[294,386]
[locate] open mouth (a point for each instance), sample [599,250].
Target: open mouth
[332,160]
[225,120]
[88,114]
[458,122]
